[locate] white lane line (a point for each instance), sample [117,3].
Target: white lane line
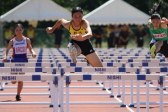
[117,99]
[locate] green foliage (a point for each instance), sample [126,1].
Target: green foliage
[89,5]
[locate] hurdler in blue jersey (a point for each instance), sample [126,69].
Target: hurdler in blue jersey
[19,44]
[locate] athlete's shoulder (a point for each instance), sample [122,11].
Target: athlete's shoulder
[85,21]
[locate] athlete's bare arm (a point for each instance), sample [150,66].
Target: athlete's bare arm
[149,22]
[30,48]
[63,22]
[7,50]
[164,23]
[88,30]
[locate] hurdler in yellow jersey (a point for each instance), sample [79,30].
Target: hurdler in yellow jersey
[79,47]
[8,35]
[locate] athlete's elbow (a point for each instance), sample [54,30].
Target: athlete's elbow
[90,35]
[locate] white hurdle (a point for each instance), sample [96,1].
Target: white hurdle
[49,77]
[109,77]
[138,77]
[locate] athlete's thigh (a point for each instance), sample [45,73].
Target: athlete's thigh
[94,60]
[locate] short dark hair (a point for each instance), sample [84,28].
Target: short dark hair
[18,25]
[155,16]
[76,9]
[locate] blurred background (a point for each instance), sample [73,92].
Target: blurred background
[110,21]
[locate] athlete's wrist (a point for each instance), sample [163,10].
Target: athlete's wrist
[84,37]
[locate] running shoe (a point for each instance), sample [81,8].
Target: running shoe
[18,98]
[73,53]
[153,51]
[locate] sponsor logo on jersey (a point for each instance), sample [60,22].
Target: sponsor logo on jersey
[160,35]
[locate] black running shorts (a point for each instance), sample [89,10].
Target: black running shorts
[163,49]
[86,46]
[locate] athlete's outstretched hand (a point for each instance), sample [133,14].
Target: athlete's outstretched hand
[49,29]
[78,37]
[165,20]
[34,55]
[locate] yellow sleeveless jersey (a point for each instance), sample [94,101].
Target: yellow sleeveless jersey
[108,31]
[81,31]
[8,35]
[30,33]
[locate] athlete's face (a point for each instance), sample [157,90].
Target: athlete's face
[18,31]
[77,17]
[156,23]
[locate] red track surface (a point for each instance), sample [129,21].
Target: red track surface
[83,98]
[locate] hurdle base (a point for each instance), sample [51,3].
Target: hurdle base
[59,105]
[144,82]
[122,105]
[103,89]
[111,96]
[131,105]
[48,89]
[151,83]
[102,82]
[97,82]
[51,105]
[109,88]
[49,96]
[157,89]
[6,83]
[164,88]
[1,89]
[118,96]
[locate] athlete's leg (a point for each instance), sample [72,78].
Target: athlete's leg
[94,60]
[158,45]
[156,48]
[19,89]
[13,82]
[74,51]
[20,86]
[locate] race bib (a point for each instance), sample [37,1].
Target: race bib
[20,50]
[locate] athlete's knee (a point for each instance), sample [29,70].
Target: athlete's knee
[20,82]
[13,82]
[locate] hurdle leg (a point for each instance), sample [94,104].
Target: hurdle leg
[157,87]
[161,99]
[61,94]
[147,96]
[131,95]
[112,89]
[55,97]
[118,89]
[109,85]
[138,96]
[0,86]
[67,98]
[52,93]
[104,85]
[164,87]
[123,94]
